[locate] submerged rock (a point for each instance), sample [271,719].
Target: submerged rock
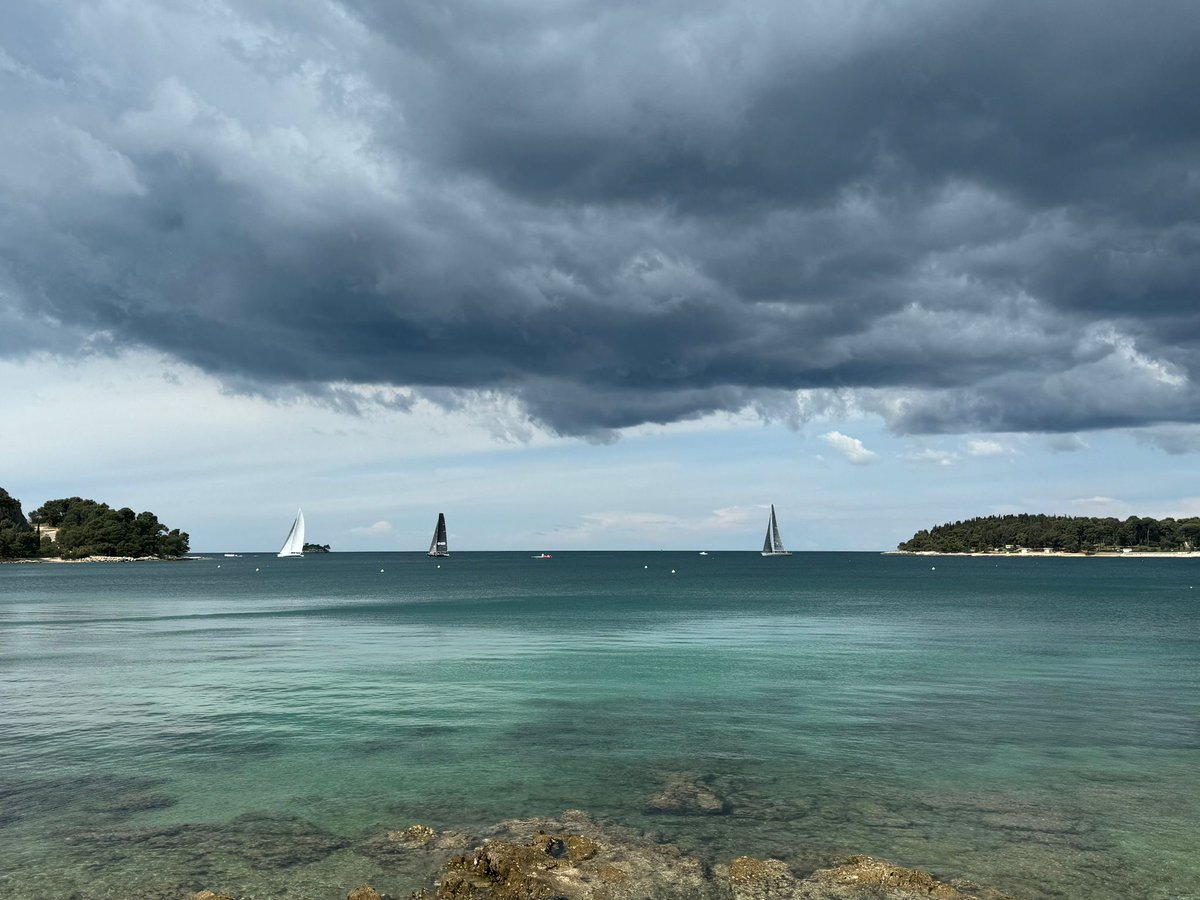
[124,803]
[89,798]
[263,841]
[364,892]
[415,840]
[686,796]
[413,835]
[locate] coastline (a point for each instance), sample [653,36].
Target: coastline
[99,559]
[1041,554]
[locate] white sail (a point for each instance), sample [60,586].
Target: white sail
[773,543]
[438,546]
[294,545]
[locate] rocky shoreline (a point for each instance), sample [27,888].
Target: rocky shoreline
[574,857]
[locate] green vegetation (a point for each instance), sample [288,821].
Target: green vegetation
[316,548]
[84,528]
[17,537]
[1071,534]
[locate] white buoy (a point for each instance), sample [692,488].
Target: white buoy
[933,568]
[256,570]
[381,571]
[672,571]
[218,565]
[439,565]
[645,567]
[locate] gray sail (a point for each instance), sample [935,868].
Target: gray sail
[773,543]
[438,546]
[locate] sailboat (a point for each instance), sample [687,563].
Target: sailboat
[437,547]
[294,545]
[773,544]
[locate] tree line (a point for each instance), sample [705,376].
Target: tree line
[84,528]
[1072,534]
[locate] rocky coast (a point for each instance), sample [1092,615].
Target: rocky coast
[575,857]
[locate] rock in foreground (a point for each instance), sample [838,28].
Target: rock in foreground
[573,858]
[860,878]
[570,866]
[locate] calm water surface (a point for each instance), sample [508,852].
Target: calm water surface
[246,724]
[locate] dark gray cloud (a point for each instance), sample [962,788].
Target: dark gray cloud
[978,216]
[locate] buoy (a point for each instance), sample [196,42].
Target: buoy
[381,571]
[256,570]
[218,565]
[672,571]
[439,565]
[933,568]
[645,567]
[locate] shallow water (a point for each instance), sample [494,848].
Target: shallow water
[246,724]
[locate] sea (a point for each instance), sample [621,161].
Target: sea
[250,724]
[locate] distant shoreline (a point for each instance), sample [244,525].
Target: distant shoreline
[98,559]
[1042,554]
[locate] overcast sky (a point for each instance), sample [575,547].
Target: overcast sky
[600,274]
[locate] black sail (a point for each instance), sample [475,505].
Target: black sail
[438,547]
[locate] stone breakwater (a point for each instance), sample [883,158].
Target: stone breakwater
[573,857]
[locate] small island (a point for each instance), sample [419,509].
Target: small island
[316,548]
[73,529]
[1059,535]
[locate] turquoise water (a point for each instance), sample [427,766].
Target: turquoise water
[247,724]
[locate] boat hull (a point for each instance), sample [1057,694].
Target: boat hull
[776,553]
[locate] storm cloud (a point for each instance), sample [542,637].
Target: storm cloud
[973,216]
